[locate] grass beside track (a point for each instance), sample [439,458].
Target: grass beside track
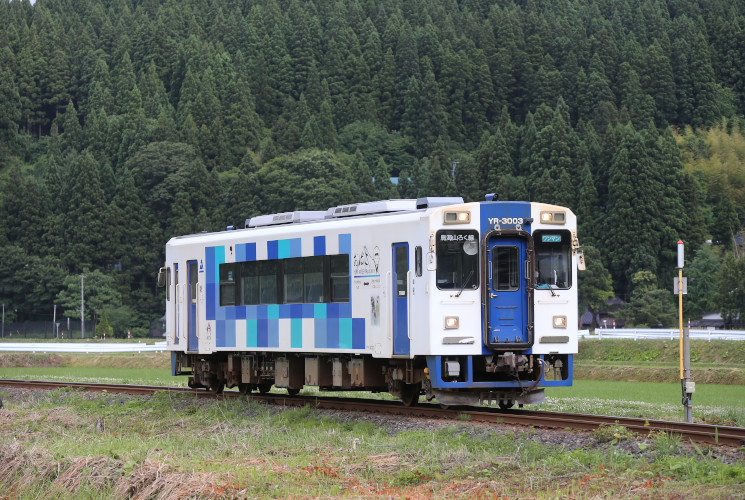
[76,445]
[713,403]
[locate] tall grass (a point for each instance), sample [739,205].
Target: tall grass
[181,446]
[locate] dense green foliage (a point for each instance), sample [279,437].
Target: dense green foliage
[125,123]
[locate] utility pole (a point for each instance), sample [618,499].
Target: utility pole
[54,320]
[3,334]
[687,385]
[82,305]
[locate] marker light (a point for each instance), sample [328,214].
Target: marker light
[560,321]
[553,218]
[452,322]
[457,217]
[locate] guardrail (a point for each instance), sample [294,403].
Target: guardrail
[666,334]
[81,347]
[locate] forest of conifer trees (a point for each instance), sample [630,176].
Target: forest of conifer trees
[125,123]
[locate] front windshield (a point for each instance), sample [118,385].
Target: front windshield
[457,259]
[553,253]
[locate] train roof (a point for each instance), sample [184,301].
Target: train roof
[355,210]
[283,220]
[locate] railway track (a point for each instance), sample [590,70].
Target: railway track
[702,433]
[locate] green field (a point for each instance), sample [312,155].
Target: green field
[712,403]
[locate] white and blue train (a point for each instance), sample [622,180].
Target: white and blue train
[468,303]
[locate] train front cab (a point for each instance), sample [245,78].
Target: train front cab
[526,259]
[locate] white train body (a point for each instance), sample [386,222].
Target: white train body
[465,302]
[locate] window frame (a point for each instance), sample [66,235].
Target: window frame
[562,250]
[460,237]
[512,270]
[333,271]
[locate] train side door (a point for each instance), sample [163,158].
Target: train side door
[178,300]
[508,318]
[193,275]
[401,341]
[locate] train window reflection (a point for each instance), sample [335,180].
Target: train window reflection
[553,258]
[457,259]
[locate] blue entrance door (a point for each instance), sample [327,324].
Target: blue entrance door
[401,342]
[508,292]
[193,272]
[176,304]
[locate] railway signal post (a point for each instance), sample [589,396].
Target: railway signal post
[687,385]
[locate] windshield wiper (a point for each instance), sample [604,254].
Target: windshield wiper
[544,286]
[465,282]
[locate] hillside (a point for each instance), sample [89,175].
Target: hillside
[125,123]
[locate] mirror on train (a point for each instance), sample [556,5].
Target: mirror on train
[581,266]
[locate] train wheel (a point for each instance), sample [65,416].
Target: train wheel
[506,405]
[265,387]
[216,386]
[292,391]
[410,394]
[244,388]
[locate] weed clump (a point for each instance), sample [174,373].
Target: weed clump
[608,433]
[97,472]
[25,468]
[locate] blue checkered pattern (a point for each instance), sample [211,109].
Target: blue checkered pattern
[333,324]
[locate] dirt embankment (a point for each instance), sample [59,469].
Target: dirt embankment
[723,375]
[712,362]
[135,360]
[27,360]
[720,352]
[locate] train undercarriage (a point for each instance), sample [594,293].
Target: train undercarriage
[505,378]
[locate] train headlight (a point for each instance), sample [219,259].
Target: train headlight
[459,217]
[452,322]
[560,321]
[554,217]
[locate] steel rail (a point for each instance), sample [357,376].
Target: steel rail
[702,433]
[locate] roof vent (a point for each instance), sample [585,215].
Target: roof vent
[434,201]
[372,207]
[284,218]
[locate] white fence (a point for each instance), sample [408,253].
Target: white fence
[81,347]
[658,333]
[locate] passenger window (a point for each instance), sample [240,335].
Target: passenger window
[293,280]
[457,259]
[418,260]
[296,280]
[268,282]
[313,272]
[339,278]
[553,255]
[505,269]
[402,267]
[250,283]
[227,285]
[193,282]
